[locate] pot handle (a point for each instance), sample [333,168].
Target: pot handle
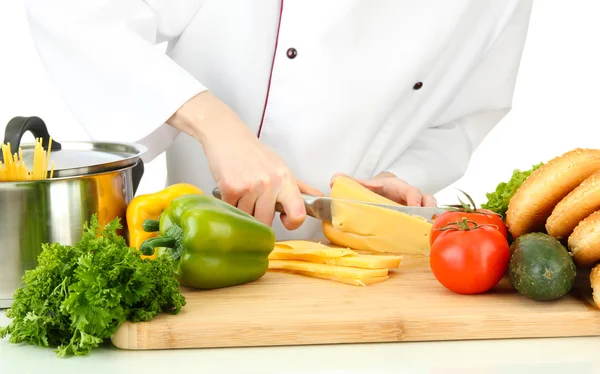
[18,126]
[136,175]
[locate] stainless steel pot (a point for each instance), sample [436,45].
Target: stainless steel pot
[90,178]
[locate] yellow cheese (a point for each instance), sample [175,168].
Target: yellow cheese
[347,188]
[371,228]
[326,269]
[355,282]
[360,261]
[312,248]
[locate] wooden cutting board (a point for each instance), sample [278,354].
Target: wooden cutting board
[287,309]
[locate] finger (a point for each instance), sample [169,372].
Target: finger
[382,187]
[375,185]
[412,196]
[229,194]
[309,190]
[264,209]
[248,201]
[403,193]
[429,201]
[293,206]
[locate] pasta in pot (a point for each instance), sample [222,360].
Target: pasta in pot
[13,168]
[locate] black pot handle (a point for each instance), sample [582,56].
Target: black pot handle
[18,126]
[136,175]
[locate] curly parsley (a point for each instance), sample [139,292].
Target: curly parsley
[79,295]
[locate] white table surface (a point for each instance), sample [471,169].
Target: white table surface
[547,356]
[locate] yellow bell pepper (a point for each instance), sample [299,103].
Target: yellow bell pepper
[111,203]
[150,206]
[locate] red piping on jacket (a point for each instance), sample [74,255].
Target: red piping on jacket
[271,73]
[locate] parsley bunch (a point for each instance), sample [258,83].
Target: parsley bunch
[79,295]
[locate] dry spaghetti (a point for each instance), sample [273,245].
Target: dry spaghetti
[13,168]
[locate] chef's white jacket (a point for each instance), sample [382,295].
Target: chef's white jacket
[352,86]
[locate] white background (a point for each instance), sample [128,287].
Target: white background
[555,106]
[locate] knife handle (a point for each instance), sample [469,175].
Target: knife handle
[278,207]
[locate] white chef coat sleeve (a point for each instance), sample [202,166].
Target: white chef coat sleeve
[441,153]
[102,58]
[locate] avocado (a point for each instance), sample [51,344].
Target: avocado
[540,267]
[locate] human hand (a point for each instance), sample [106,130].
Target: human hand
[393,188]
[248,175]
[253,178]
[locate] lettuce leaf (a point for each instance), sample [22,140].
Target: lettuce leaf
[498,200]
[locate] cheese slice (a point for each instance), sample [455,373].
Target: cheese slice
[306,247]
[371,228]
[355,282]
[326,269]
[360,261]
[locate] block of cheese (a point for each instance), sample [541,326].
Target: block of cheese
[326,269]
[360,261]
[347,188]
[371,228]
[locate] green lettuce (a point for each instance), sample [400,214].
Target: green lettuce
[498,200]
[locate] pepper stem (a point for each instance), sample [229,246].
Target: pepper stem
[147,247]
[151,225]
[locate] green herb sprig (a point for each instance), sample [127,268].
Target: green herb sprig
[79,295]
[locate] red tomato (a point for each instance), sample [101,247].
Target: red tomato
[469,260]
[480,216]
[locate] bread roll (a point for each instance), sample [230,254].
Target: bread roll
[584,242]
[532,204]
[595,284]
[578,204]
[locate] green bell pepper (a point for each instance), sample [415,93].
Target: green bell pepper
[214,244]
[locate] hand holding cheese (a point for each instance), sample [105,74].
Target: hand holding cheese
[389,186]
[372,228]
[249,175]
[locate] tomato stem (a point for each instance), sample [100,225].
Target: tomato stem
[470,200]
[470,207]
[463,225]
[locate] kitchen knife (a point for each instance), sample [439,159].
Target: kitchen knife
[320,207]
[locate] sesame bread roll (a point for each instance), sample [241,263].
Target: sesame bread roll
[584,242]
[595,284]
[534,201]
[577,205]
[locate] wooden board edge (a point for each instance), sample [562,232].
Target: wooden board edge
[130,332]
[478,328]
[515,336]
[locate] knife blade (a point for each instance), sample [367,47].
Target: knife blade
[320,207]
